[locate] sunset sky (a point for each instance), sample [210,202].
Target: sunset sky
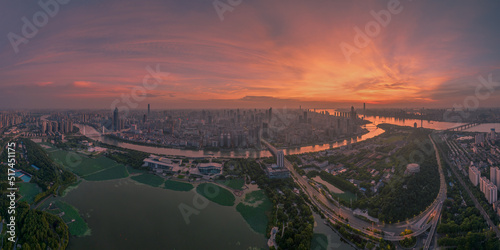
[263,53]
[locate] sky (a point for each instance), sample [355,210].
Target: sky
[246,54]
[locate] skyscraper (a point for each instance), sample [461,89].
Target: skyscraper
[493,175]
[116,122]
[280,159]
[149,109]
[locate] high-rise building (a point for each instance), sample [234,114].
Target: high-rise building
[497,170]
[493,175]
[44,127]
[280,159]
[364,108]
[116,120]
[483,184]
[493,134]
[492,195]
[149,109]
[474,175]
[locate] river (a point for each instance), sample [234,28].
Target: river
[243,153]
[246,153]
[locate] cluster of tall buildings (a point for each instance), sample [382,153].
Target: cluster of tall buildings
[488,187]
[9,119]
[63,127]
[489,190]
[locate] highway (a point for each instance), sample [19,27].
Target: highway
[419,224]
[441,196]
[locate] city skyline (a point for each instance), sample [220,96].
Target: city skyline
[253,54]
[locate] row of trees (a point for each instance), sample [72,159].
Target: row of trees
[37,229]
[405,196]
[462,226]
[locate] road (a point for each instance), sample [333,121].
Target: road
[441,197]
[474,199]
[391,231]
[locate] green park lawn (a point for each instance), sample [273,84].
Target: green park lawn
[178,186]
[91,169]
[78,227]
[233,183]
[132,170]
[255,210]
[116,172]
[28,191]
[216,194]
[149,179]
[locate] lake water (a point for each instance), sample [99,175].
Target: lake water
[123,214]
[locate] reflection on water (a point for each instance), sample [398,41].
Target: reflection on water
[254,153]
[92,133]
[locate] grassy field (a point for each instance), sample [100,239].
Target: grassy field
[234,183]
[255,210]
[92,169]
[178,186]
[78,227]
[149,179]
[116,172]
[346,196]
[132,170]
[28,191]
[216,194]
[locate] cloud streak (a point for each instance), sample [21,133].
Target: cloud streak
[95,50]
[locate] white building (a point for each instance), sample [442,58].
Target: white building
[474,175]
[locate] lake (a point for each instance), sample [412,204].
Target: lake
[123,214]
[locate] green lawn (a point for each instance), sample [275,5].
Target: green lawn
[132,170]
[78,227]
[346,196]
[116,172]
[178,186]
[149,179]
[216,194]
[92,169]
[255,210]
[233,183]
[28,191]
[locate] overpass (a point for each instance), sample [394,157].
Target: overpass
[419,223]
[464,126]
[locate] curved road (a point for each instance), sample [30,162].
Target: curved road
[391,231]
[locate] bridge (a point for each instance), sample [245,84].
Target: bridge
[463,127]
